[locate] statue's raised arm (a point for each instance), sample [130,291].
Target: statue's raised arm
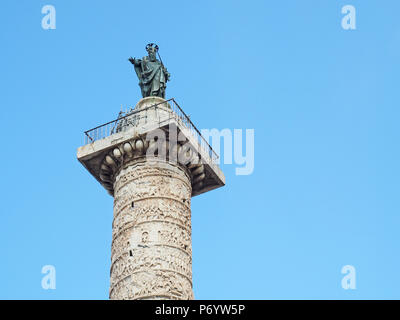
[134,61]
[151,73]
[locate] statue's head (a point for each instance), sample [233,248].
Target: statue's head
[152,49]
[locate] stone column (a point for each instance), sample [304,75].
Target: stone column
[151,255]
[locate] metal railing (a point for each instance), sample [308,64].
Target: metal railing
[130,118]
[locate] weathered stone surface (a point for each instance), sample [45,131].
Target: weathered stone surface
[151,246]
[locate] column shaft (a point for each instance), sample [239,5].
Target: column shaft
[151,254]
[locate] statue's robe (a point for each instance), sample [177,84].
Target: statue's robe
[152,80]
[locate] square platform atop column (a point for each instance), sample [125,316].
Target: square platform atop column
[150,113]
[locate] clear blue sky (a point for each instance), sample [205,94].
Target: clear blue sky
[324,103]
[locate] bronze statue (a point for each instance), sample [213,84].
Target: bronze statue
[152,74]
